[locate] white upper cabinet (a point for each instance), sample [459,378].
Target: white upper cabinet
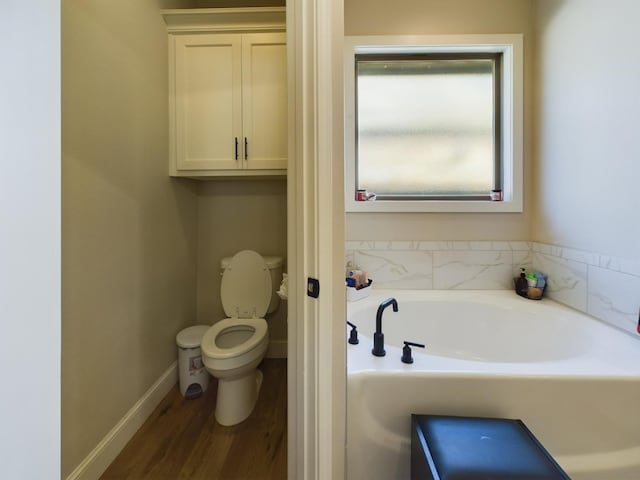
[264,100]
[227,92]
[208,101]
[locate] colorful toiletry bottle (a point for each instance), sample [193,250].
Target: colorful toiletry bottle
[522,285]
[542,280]
[532,281]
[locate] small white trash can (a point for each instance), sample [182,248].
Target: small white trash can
[193,377]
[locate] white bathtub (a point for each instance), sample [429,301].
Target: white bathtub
[574,381]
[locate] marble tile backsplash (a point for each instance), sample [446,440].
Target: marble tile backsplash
[605,287]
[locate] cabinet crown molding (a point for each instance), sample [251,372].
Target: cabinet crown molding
[259,19]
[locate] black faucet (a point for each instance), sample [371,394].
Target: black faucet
[378,337]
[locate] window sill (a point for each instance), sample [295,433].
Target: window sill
[433,206]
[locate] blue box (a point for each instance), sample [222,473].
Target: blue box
[473,448]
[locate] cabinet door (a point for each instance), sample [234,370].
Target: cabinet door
[264,100]
[208,101]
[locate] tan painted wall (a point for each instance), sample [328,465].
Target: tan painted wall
[128,230]
[587,165]
[381,17]
[234,215]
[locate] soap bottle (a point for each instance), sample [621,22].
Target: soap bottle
[522,286]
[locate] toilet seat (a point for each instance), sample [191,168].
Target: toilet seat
[246,286]
[211,349]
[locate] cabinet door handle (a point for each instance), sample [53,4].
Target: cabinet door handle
[246,149]
[236,148]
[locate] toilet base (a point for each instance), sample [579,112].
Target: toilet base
[237,397]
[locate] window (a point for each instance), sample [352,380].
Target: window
[434,116]
[434,125]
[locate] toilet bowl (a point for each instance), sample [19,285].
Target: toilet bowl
[233,348]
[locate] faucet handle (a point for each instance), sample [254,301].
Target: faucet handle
[406,351]
[353,335]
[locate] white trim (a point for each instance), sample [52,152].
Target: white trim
[295,391]
[95,464]
[511,46]
[195,20]
[317,352]
[330,341]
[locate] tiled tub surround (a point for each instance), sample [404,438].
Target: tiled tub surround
[602,286]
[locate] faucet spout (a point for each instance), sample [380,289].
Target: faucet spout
[378,336]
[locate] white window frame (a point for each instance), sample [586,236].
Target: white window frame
[510,46]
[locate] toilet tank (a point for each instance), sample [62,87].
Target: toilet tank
[274,264]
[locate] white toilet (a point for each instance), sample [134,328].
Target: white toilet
[232,348]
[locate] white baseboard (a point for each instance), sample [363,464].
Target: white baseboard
[277,349]
[95,464]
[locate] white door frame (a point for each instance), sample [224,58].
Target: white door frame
[315,206]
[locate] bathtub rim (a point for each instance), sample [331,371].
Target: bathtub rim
[618,359]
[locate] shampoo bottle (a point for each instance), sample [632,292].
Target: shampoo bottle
[522,286]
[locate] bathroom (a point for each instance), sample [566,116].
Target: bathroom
[584,241]
[569,131]
[150,244]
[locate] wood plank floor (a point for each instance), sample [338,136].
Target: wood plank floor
[182,440]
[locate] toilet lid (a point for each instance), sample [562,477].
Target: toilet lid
[246,286]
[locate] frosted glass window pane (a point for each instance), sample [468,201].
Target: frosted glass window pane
[425,127]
